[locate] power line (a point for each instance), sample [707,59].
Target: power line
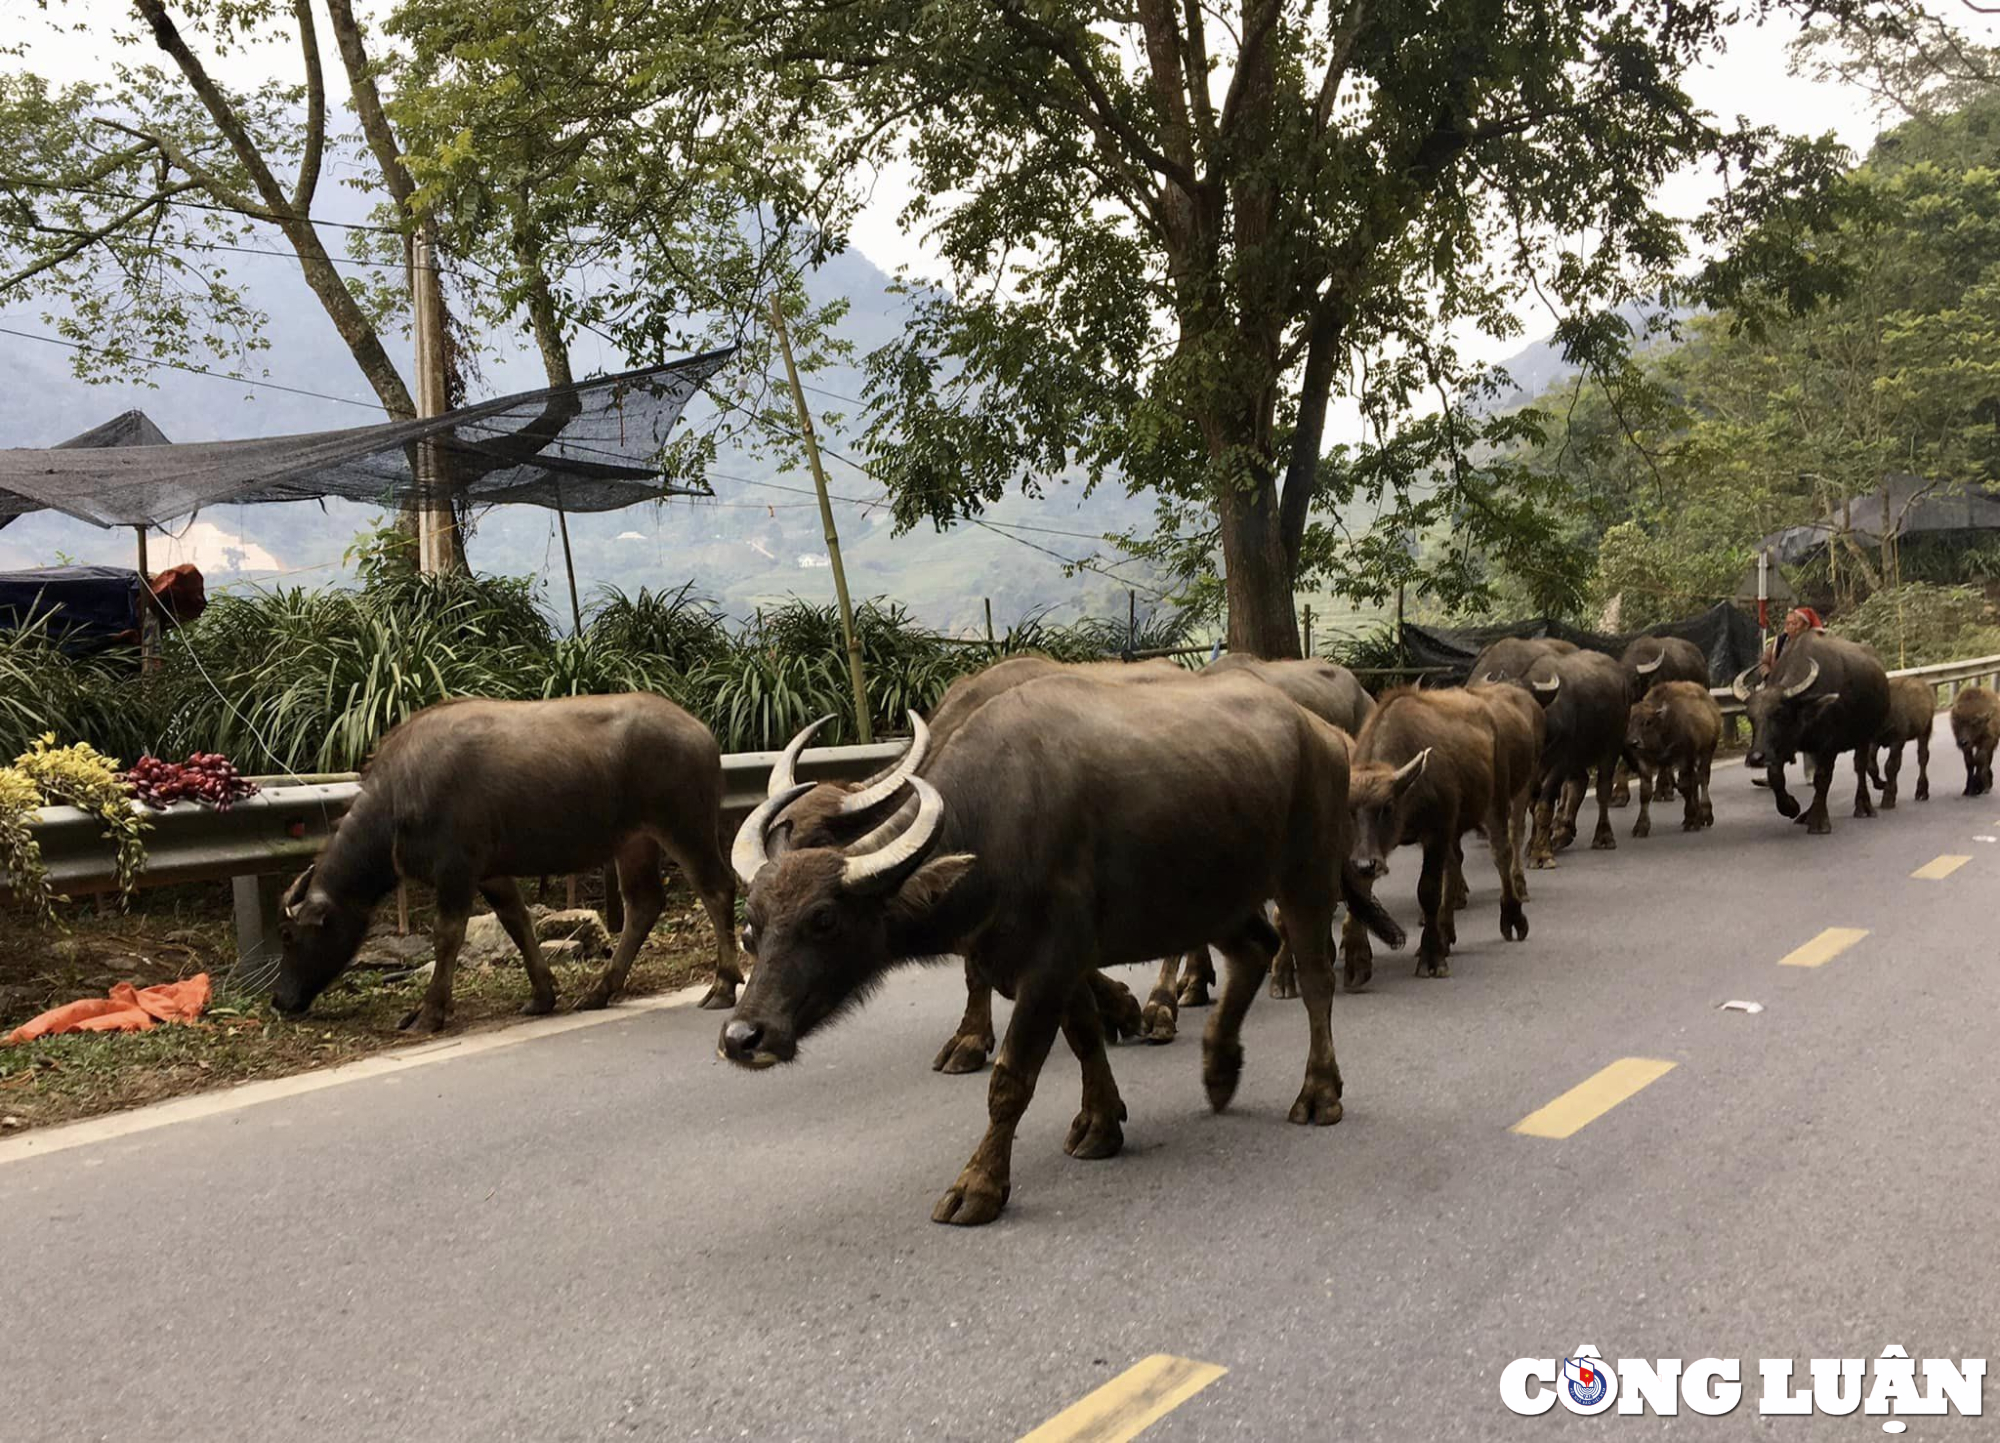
[195,370]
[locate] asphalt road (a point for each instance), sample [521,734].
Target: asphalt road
[608,1232]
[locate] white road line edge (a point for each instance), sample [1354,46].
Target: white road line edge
[396,1060]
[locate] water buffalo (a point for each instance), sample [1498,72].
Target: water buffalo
[1912,711]
[1583,694]
[1648,662]
[468,795]
[1049,838]
[1331,693]
[1825,696]
[1975,726]
[1430,766]
[1509,658]
[1673,730]
[833,815]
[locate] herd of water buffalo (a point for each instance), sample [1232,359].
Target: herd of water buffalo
[1049,821]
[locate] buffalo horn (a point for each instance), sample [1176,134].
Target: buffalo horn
[782,779]
[1549,687]
[749,854]
[295,895]
[1410,770]
[1647,668]
[1741,684]
[884,869]
[881,836]
[885,786]
[1800,688]
[1492,676]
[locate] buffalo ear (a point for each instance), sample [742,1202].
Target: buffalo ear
[912,902]
[1369,786]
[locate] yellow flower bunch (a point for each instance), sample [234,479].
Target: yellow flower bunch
[79,776]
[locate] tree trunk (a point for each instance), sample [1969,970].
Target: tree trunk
[1257,582]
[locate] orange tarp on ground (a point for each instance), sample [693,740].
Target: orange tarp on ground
[127,1009]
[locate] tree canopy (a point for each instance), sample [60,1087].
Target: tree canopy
[1175,233]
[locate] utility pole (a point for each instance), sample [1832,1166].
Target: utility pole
[434,512]
[862,722]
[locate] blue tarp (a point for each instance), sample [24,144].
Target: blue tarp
[86,608]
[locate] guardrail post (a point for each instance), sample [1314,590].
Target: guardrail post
[257,901]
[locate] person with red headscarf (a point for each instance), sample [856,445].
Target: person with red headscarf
[1799,621]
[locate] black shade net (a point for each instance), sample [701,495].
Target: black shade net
[1729,638]
[591,446]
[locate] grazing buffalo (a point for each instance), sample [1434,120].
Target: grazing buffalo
[1825,696]
[1583,694]
[468,795]
[1509,658]
[1648,662]
[1673,731]
[1430,766]
[1091,865]
[1912,711]
[1975,726]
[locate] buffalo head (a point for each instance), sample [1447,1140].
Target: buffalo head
[823,924]
[1646,727]
[1379,795]
[1781,714]
[319,936]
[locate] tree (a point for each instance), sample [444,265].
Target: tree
[627,167]
[1176,233]
[1768,415]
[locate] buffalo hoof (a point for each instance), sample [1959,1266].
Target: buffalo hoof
[1120,1011]
[1604,841]
[1194,991]
[1513,922]
[1923,791]
[1460,899]
[1665,792]
[962,1053]
[1318,1104]
[973,1201]
[720,997]
[1157,1023]
[1542,861]
[1357,970]
[1707,815]
[426,1018]
[1692,824]
[539,1006]
[1643,827]
[1284,985]
[1438,966]
[1221,1070]
[1888,802]
[1621,797]
[1817,824]
[1788,805]
[1563,837]
[595,1000]
[1095,1135]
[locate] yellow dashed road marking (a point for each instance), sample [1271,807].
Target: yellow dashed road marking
[1130,1403]
[1824,948]
[1940,868]
[1593,1097]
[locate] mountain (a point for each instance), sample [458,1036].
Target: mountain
[756,543]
